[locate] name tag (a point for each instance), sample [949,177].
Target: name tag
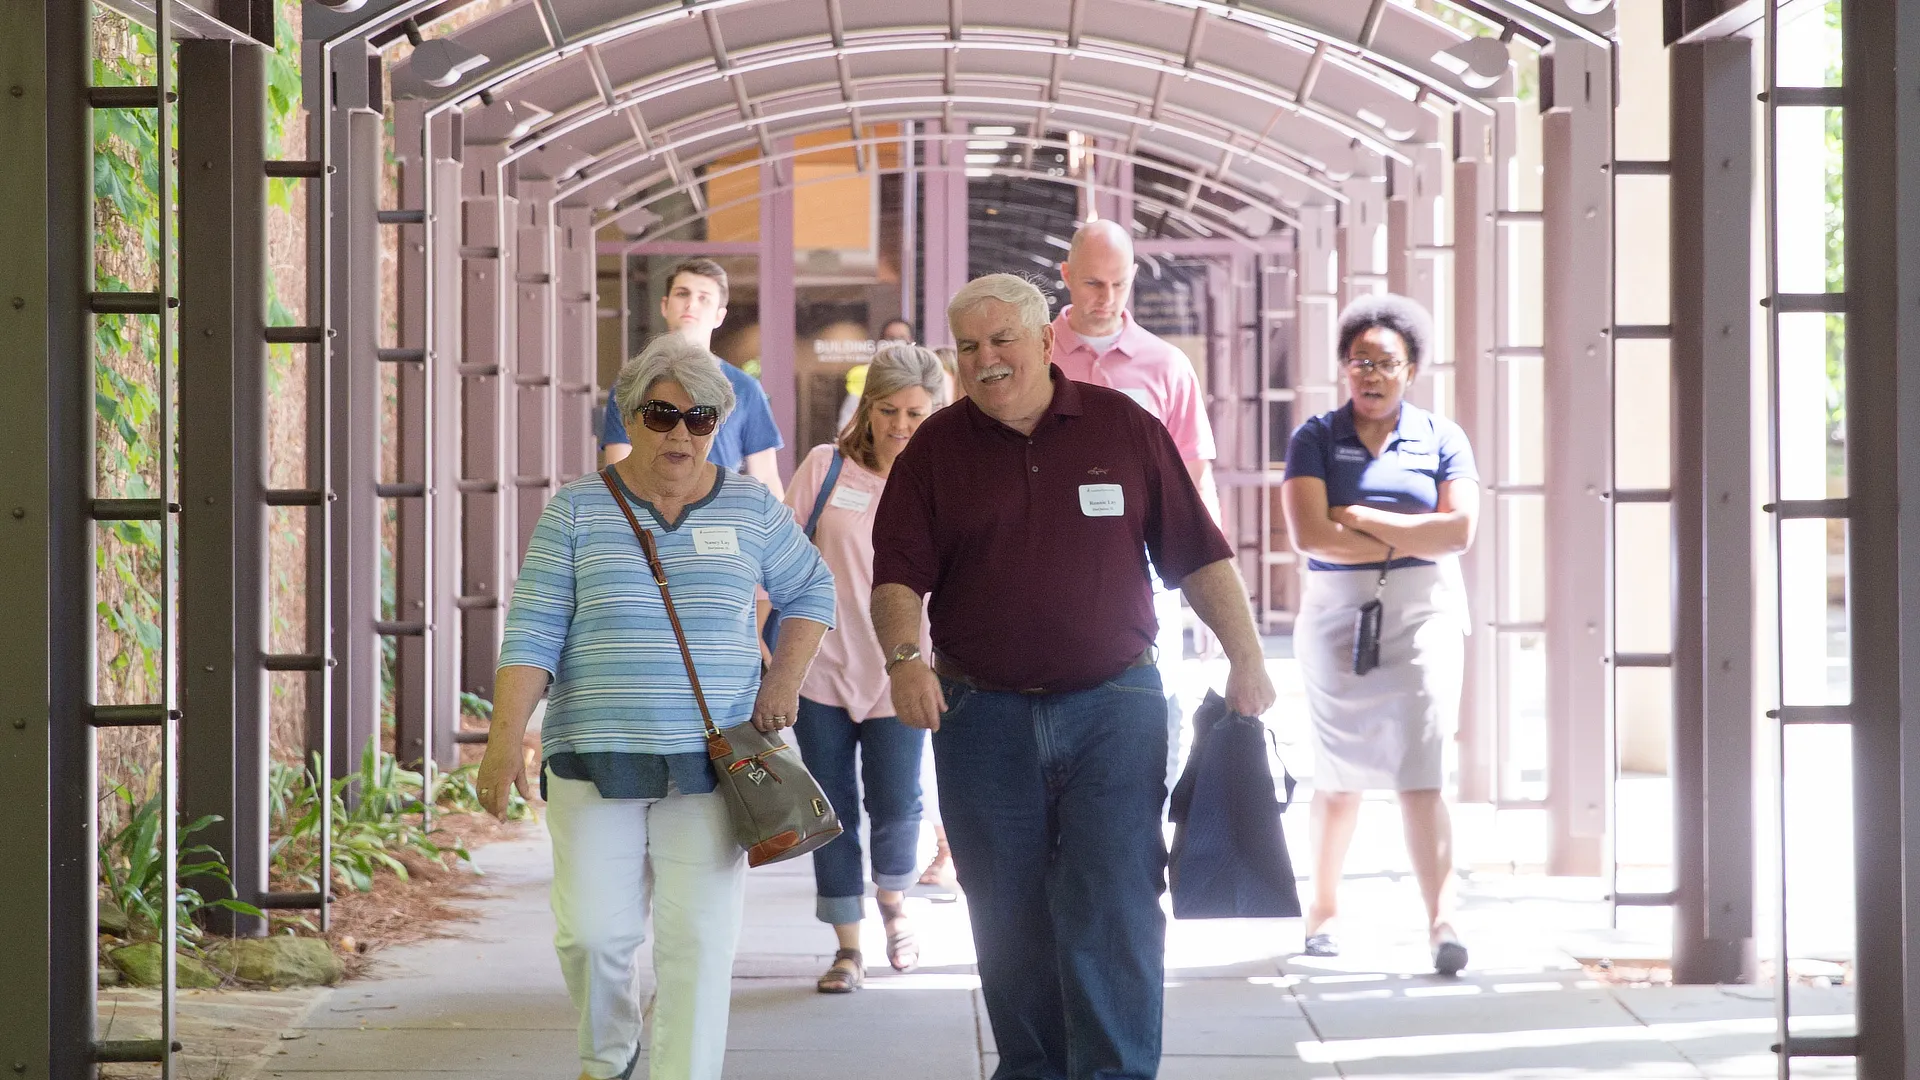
[1103,500]
[716,540]
[1351,453]
[853,499]
[1140,397]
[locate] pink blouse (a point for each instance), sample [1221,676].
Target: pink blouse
[849,671]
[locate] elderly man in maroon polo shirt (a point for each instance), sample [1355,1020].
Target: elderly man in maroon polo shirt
[1027,512]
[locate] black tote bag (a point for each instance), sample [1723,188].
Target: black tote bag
[1229,858]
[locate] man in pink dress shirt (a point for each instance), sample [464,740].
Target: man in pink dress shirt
[1095,340]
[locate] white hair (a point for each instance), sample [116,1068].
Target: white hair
[1024,296]
[672,358]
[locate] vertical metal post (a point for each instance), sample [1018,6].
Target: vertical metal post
[356,420]
[1902,87]
[574,244]
[1712,500]
[1576,211]
[943,219]
[777,315]
[1476,407]
[412,557]
[46,541]
[223,464]
[441,248]
[166,282]
[323,247]
[1879,178]
[910,228]
[484,496]
[532,359]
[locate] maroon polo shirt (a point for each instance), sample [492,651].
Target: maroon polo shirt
[1034,548]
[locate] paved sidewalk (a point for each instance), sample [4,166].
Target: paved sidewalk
[490,1005]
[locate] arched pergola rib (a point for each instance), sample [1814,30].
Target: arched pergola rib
[1299,164]
[924,106]
[1305,21]
[1279,210]
[589,111]
[1223,227]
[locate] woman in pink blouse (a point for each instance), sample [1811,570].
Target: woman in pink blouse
[846,705]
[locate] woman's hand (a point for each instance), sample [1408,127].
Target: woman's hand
[502,770]
[1352,517]
[778,703]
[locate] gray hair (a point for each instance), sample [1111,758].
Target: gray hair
[1025,297]
[672,358]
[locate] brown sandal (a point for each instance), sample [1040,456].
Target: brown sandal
[940,870]
[847,974]
[903,947]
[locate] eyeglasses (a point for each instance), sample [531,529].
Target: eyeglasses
[662,416]
[1388,366]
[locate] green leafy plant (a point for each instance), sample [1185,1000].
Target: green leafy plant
[370,831]
[133,872]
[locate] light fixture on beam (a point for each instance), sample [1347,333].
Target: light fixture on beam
[525,117]
[565,160]
[1253,220]
[443,62]
[637,221]
[1588,7]
[1479,62]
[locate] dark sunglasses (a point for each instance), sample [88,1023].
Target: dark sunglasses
[663,417]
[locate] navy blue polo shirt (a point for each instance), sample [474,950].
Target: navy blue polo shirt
[1423,452]
[749,429]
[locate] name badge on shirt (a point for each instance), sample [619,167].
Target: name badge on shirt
[853,499]
[1351,453]
[1103,500]
[1140,397]
[716,540]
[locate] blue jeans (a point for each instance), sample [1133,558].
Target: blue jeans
[1052,808]
[890,758]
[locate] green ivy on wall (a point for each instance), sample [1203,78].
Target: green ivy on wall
[127,213]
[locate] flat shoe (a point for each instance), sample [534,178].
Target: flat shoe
[1449,956]
[1322,945]
[843,980]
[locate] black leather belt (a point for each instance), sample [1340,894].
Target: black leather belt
[946,670]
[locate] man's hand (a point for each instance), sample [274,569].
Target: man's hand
[1249,689]
[917,700]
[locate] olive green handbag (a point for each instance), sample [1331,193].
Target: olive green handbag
[777,807]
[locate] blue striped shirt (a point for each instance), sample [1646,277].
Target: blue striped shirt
[586,611]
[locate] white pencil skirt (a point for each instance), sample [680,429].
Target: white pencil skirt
[1386,729]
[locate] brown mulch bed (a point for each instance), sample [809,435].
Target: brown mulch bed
[428,903]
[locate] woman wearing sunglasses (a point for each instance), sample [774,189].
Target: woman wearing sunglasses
[1380,496]
[637,827]
[846,704]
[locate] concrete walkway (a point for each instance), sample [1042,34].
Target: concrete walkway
[490,1004]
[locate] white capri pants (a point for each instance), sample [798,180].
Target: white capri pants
[615,862]
[1387,728]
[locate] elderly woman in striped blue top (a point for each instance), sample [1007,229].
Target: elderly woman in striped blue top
[631,806]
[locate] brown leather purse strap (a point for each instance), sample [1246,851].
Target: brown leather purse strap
[660,579]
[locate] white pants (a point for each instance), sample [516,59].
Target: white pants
[613,860]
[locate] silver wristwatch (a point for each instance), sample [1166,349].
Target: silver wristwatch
[901,654]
